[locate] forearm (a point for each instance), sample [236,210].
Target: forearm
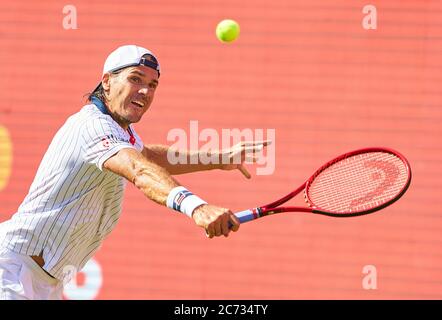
[155,182]
[188,161]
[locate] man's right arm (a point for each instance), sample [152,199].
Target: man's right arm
[156,183]
[153,180]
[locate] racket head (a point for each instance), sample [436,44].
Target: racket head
[358,182]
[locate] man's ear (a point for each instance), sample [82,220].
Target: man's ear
[105,81]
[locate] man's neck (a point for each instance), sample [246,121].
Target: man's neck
[103,107]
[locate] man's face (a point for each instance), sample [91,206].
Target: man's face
[130,93]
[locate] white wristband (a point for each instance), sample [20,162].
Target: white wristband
[182,200]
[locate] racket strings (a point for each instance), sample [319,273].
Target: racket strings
[358,183]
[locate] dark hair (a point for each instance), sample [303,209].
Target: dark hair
[99,90]
[98,93]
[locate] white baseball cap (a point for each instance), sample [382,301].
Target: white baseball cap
[129,56]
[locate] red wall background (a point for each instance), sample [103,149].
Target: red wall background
[307,69]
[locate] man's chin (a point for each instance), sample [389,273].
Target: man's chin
[134,119]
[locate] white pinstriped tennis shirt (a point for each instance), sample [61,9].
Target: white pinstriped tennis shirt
[72,204]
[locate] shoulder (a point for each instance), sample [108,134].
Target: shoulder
[87,114]
[90,113]
[90,117]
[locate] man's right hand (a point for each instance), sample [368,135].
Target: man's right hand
[215,220]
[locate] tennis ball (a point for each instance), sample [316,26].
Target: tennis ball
[227,30]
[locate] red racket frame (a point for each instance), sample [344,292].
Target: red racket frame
[273,208]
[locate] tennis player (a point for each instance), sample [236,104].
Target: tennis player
[76,197]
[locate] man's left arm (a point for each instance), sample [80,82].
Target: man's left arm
[193,161]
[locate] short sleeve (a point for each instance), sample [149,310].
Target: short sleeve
[102,138]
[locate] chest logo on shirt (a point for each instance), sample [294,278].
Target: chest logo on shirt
[105,143]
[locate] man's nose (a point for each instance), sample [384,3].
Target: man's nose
[144,90]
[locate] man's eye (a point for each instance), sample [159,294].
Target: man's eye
[136,79]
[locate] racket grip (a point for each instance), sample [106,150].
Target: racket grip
[244,216]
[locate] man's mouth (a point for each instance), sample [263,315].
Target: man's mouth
[138,103]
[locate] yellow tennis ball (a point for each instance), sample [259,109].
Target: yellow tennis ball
[227,30]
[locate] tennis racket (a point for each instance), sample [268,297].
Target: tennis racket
[353,184]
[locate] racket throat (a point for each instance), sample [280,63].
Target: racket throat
[257,213]
[260,212]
